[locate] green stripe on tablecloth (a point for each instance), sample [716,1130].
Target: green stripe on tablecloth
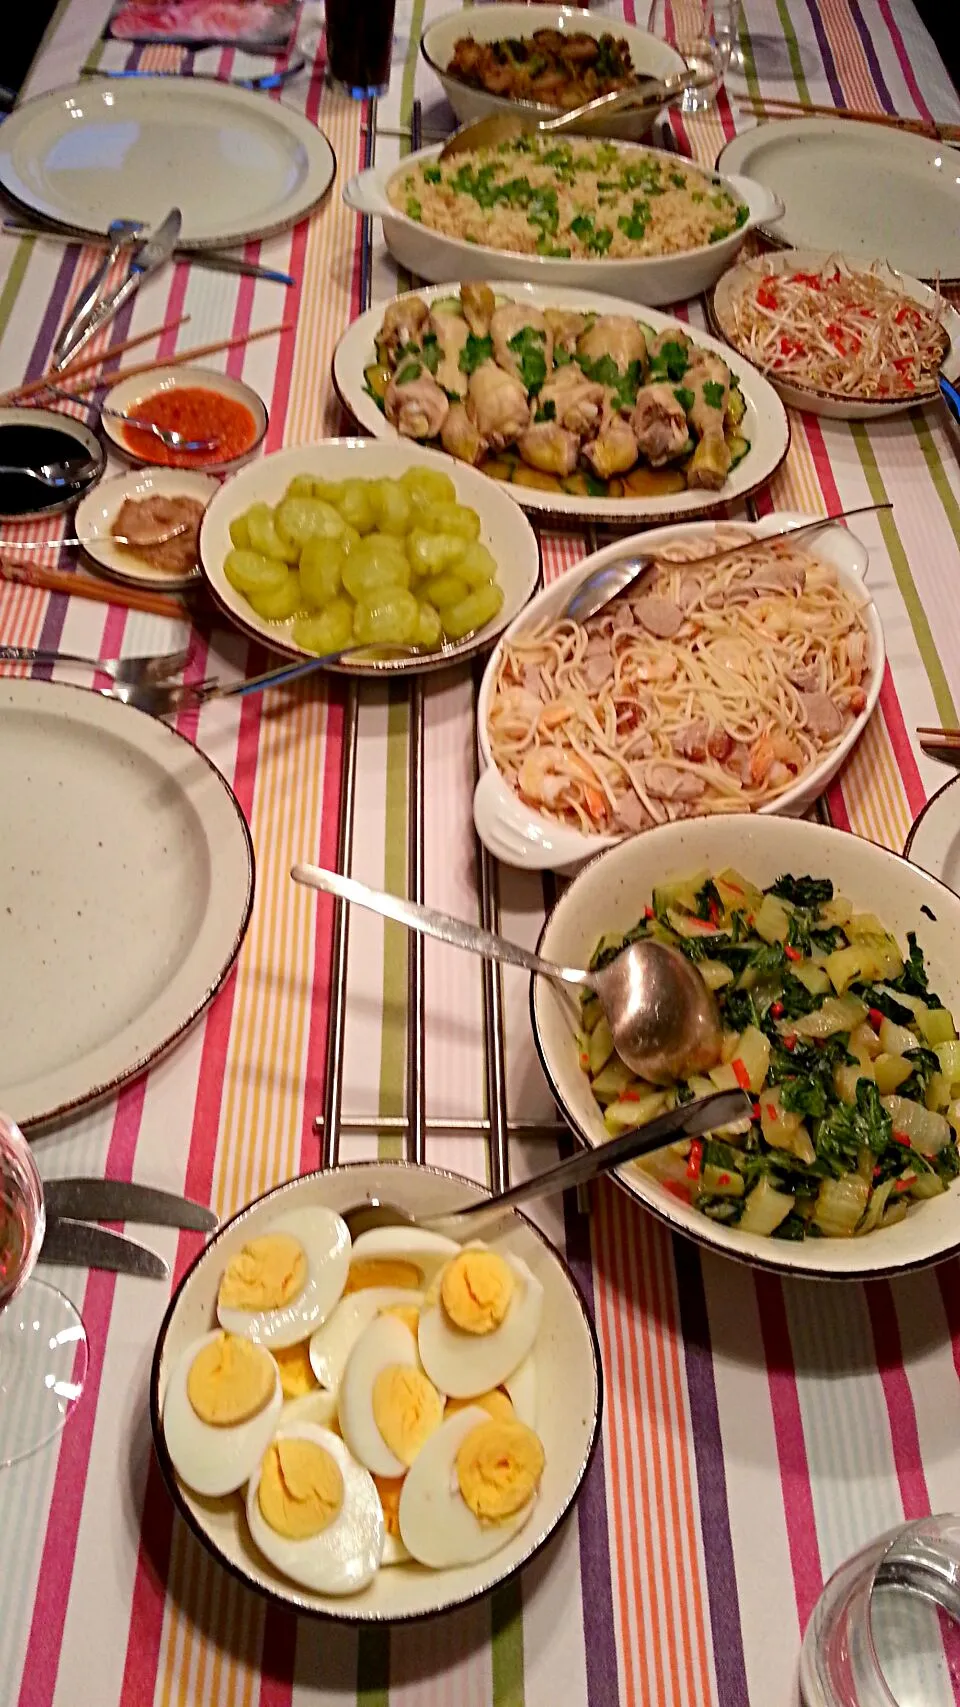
[15,277]
[938,473]
[943,699]
[408,82]
[393,1036]
[506,1636]
[373,1668]
[793,53]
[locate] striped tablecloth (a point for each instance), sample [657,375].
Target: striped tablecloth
[756,1431]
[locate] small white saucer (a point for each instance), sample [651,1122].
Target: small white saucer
[97,513]
[129,394]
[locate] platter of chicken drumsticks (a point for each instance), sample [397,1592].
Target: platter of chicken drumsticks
[587,406]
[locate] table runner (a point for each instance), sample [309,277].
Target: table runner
[756,1430]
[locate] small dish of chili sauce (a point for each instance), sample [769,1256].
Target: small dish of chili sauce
[196,404]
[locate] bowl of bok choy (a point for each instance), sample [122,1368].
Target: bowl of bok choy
[836,969]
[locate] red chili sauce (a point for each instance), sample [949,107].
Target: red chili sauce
[198,414]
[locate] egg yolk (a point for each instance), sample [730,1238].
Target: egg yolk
[499,1466]
[266,1274]
[497,1404]
[388,1487]
[301,1488]
[406,1409]
[229,1381]
[476,1289]
[382,1271]
[408,1314]
[296,1372]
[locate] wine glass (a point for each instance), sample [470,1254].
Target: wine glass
[43,1343]
[704,33]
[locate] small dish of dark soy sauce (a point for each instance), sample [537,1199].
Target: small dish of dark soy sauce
[30,438]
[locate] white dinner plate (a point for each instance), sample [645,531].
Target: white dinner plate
[237,164]
[127,883]
[883,195]
[934,839]
[765,423]
[838,406]
[96,516]
[568,1404]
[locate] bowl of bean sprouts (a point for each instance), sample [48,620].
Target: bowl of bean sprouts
[838,337]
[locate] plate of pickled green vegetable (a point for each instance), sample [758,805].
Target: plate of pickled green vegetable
[350,542]
[836,968]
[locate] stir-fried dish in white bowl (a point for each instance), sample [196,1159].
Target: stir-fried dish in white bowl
[835,967]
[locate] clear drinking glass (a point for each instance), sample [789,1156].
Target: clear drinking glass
[886,1629]
[43,1344]
[704,33]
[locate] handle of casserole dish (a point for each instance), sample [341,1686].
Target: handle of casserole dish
[512,834]
[364,194]
[765,207]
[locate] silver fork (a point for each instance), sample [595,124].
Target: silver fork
[128,671]
[167,435]
[164,700]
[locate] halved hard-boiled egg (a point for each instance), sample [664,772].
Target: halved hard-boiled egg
[472,1486]
[398,1256]
[314,1512]
[387,1406]
[317,1407]
[284,1282]
[522,1388]
[389,1489]
[221,1407]
[479,1320]
[332,1343]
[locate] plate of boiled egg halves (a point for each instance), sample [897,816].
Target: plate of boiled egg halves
[371,1429]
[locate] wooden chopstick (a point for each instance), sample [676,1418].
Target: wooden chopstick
[83,362]
[77,585]
[198,351]
[920,127]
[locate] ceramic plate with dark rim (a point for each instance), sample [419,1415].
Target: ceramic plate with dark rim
[503,529]
[765,423]
[836,405]
[610,895]
[568,1405]
[934,839]
[33,437]
[131,395]
[127,886]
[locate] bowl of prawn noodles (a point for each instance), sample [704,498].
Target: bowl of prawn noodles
[609,896]
[749,699]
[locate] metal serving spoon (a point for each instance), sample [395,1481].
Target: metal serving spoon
[489,132]
[615,578]
[690,1121]
[95,539]
[167,435]
[55,474]
[664,1021]
[147,669]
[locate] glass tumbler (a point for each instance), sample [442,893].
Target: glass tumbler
[43,1345]
[360,46]
[704,33]
[886,1629]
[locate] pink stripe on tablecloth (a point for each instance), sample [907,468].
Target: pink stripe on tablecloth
[904,1434]
[42,1657]
[886,13]
[799,1517]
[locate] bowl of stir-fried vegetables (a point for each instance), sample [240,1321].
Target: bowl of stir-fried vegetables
[836,969]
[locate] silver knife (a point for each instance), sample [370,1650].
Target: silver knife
[154,252]
[122,232]
[78,1245]
[125,1200]
[214,260]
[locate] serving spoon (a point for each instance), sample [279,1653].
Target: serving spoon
[489,132]
[691,1121]
[56,474]
[612,579]
[664,1021]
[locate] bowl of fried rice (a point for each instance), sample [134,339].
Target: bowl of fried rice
[637,222]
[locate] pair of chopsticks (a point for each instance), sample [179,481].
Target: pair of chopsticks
[773,107]
[65,376]
[75,584]
[945,741]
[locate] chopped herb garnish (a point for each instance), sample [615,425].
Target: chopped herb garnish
[684,397]
[529,347]
[475,352]
[712,394]
[546,412]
